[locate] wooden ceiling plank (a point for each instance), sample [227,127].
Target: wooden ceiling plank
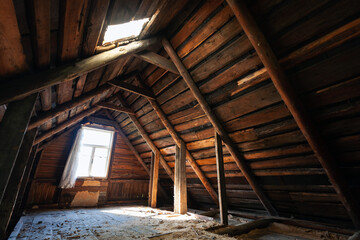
[157,60]
[296,107]
[23,86]
[39,19]
[94,26]
[238,158]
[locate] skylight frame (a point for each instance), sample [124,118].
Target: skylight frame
[114,33]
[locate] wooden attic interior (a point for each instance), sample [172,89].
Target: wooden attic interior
[251,107]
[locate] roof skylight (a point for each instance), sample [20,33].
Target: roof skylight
[124,31]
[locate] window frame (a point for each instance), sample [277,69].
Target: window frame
[94,146]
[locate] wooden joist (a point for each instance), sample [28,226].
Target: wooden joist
[169,127]
[13,189]
[296,107]
[13,128]
[239,159]
[180,197]
[131,88]
[114,107]
[23,86]
[148,140]
[221,180]
[66,124]
[155,179]
[43,117]
[157,60]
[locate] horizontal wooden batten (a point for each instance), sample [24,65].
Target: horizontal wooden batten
[23,86]
[131,88]
[115,108]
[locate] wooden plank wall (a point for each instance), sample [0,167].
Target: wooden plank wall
[229,73]
[127,180]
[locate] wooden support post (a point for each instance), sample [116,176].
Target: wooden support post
[157,60]
[155,179]
[32,83]
[238,158]
[12,190]
[151,178]
[178,141]
[297,109]
[180,196]
[221,180]
[12,128]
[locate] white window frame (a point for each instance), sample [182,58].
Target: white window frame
[93,146]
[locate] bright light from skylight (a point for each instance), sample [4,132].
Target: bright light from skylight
[124,31]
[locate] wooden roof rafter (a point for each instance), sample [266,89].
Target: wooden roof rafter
[239,159]
[296,107]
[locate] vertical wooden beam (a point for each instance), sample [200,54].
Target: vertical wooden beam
[221,179]
[296,107]
[178,141]
[180,203]
[155,179]
[12,190]
[151,178]
[12,128]
[238,158]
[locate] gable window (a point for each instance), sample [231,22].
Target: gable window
[124,31]
[94,152]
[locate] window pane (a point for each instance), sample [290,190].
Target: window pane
[96,137]
[84,161]
[99,166]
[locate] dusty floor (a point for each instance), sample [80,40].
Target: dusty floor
[137,222]
[113,223]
